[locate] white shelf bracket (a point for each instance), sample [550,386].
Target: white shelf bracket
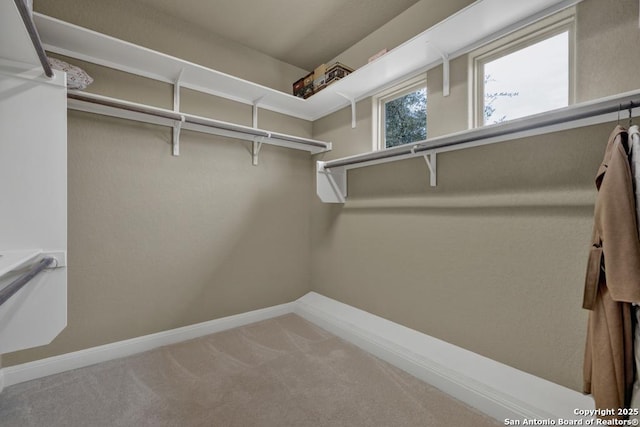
[177,127]
[431,160]
[176,107]
[254,114]
[255,150]
[176,91]
[446,85]
[331,185]
[353,108]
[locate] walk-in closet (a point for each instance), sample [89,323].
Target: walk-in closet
[292,213]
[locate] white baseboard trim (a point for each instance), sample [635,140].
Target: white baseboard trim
[79,359]
[496,389]
[489,386]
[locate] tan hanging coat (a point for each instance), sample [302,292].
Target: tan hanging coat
[612,281]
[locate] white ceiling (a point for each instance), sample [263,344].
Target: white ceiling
[304,33]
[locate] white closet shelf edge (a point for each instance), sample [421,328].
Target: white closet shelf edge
[87,45]
[480,22]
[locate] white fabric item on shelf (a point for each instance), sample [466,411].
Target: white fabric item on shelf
[77,78]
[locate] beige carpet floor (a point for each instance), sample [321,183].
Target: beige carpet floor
[279,372]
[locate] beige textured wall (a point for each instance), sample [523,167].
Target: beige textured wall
[608,38]
[493,258]
[158,242]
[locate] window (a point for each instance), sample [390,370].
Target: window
[401,114]
[527,73]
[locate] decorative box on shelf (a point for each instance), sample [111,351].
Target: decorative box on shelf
[336,72]
[320,78]
[303,88]
[298,88]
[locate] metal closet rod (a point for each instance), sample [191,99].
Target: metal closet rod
[618,103]
[188,118]
[13,287]
[35,37]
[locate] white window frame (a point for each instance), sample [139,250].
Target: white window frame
[378,101]
[544,29]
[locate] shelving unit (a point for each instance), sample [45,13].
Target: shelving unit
[482,21]
[78,100]
[33,167]
[331,176]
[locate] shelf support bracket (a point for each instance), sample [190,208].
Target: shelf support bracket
[331,185]
[177,127]
[176,107]
[255,150]
[256,146]
[254,114]
[353,108]
[176,91]
[446,75]
[446,85]
[431,160]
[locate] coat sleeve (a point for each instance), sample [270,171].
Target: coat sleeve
[620,243]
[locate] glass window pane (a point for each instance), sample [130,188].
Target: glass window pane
[529,81]
[406,119]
